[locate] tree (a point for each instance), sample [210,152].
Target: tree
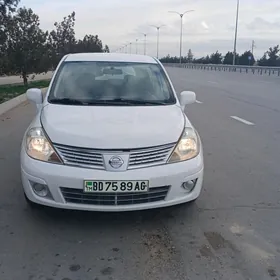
[106,49]
[244,58]
[273,56]
[216,58]
[202,60]
[165,59]
[90,43]
[270,57]
[228,59]
[26,44]
[62,40]
[25,48]
[206,60]
[263,61]
[7,8]
[170,59]
[190,56]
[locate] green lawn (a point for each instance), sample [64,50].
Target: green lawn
[10,91]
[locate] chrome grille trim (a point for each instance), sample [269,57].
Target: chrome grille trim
[150,157]
[113,199]
[80,156]
[152,151]
[93,158]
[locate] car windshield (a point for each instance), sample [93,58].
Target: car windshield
[111,83]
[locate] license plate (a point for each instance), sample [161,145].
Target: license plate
[115,186]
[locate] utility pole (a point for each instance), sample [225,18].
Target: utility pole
[181,33]
[235,37]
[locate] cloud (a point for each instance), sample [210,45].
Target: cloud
[260,24]
[204,24]
[210,27]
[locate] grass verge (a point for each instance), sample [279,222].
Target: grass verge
[8,92]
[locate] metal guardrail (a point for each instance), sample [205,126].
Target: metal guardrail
[260,70]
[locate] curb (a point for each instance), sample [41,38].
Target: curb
[14,102]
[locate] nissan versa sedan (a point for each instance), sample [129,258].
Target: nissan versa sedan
[111,135]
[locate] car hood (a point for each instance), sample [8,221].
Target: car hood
[107,127]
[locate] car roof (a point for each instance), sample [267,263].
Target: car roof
[114,57]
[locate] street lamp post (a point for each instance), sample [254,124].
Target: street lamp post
[130,47]
[181,33]
[136,46]
[145,42]
[158,28]
[253,46]
[235,37]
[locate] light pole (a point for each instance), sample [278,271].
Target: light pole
[235,37]
[253,46]
[158,28]
[145,42]
[130,47]
[136,46]
[181,33]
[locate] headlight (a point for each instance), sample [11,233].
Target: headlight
[187,147]
[39,147]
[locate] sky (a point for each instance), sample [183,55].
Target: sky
[210,27]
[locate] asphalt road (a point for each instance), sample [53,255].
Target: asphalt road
[17,79]
[232,232]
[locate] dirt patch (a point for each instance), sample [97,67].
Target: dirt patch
[217,241]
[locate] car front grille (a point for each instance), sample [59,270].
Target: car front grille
[80,156]
[149,157]
[79,197]
[92,158]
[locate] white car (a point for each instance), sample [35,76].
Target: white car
[111,135]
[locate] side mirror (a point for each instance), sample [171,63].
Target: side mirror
[187,97]
[35,95]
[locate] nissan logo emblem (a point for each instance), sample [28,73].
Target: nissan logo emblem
[116,162]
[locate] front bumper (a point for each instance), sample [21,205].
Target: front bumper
[62,176]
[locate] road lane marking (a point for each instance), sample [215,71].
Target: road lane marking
[242,120]
[199,102]
[211,82]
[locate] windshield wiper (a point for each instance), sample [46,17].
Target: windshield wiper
[136,102]
[116,102]
[69,101]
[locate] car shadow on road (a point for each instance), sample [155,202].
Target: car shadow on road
[86,218]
